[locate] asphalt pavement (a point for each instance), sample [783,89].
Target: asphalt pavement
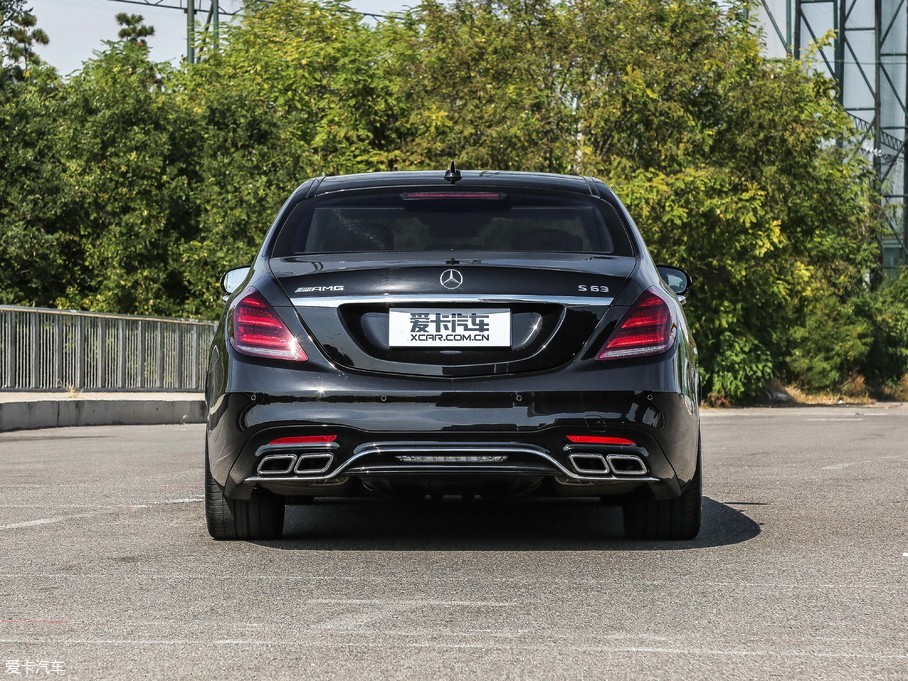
[801,570]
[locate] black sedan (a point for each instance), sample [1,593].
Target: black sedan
[416,334]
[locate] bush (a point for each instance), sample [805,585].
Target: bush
[830,345]
[853,346]
[743,367]
[885,310]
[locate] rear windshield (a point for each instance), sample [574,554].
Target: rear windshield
[418,221]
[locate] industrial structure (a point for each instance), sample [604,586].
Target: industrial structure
[204,14]
[863,45]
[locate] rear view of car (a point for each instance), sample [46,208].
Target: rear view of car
[486,333]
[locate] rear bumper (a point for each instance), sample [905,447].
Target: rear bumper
[451,464]
[454,439]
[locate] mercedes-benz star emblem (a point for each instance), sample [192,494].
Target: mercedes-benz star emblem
[451,279]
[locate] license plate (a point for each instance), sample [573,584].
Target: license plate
[434,328]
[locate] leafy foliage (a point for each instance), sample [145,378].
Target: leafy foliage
[34,206]
[128,157]
[134,30]
[885,311]
[18,36]
[134,185]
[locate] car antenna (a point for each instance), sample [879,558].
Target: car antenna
[452,175]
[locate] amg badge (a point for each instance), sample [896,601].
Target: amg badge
[311,289]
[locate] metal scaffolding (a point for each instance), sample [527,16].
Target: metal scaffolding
[868,57]
[210,9]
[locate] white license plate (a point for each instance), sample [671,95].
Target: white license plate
[422,328]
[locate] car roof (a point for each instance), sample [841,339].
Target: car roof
[469,179]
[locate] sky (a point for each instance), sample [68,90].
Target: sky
[78,28]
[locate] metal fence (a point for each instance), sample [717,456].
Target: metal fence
[58,350]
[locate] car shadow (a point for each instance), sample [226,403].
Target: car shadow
[541,525]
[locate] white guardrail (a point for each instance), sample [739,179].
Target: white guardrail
[43,349]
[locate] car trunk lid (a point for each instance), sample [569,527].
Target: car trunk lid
[434,315]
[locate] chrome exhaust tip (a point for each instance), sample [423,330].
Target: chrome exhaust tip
[276,464]
[626,464]
[313,464]
[589,464]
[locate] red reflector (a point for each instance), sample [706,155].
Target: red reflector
[303,440]
[256,329]
[482,196]
[647,329]
[599,440]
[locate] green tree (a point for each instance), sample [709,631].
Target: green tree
[295,91]
[35,207]
[134,30]
[132,186]
[128,160]
[724,157]
[769,216]
[487,84]
[18,37]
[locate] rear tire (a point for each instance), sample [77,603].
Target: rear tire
[261,517]
[666,518]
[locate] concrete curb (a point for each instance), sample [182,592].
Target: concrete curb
[54,413]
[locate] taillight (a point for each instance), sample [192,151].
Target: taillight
[304,440]
[599,440]
[257,330]
[647,329]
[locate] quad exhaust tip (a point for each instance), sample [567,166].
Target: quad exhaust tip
[277,464]
[603,464]
[313,464]
[626,464]
[589,464]
[302,464]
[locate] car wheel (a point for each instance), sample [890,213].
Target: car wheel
[667,518]
[261,517]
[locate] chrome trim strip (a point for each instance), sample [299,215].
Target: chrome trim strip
[315,446]
[254,480]
[450,458]
[400,299]
[445,447]
[447,469]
